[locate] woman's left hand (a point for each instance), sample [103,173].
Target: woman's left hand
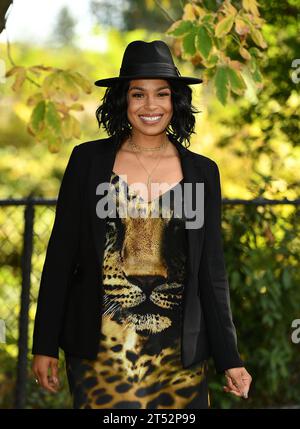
[238,381]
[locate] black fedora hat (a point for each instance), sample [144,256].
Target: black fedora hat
[148,60]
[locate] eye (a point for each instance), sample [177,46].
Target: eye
[138,94]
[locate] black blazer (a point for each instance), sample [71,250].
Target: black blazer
[70,295]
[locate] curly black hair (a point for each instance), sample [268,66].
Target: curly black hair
[112,113]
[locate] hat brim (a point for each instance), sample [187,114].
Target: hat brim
[110,81]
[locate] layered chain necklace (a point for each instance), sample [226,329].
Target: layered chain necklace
[137,148]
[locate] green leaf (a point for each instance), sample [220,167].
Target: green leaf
[236,81]
[257,38]
[188,43]
[81,81]
[204,42]
[52,118]
[221,84]
[257,76]
[211,61]
[286,279]
[180,29]
[37,116]
[208,18]
[224,26]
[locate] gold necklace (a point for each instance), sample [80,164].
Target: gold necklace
[141,148]
[137,147]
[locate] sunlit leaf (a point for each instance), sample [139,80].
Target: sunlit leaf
[228,8]
[81,81]
[37,117]
[236,81]
[241,26]
[67,127]
[179,28]
[52,117]
[76,106]
[189,13]
[76,127]
[20,78]
[34,99]
[224,26]
[244,53]
[54,143]
[211,61]
[258,38]
[50,85]
[250,6]
[69,86]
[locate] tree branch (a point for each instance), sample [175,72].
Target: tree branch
[164,11]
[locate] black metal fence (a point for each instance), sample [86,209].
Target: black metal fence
[24,237]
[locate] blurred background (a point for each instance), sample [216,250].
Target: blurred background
[51,52]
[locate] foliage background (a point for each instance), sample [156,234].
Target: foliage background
[254,138]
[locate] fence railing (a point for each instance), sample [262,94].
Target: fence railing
[16,253]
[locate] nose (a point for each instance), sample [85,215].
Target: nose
[150,101]
[146,282]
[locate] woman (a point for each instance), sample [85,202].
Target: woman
[136,296]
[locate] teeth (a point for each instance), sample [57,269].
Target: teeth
[148,118]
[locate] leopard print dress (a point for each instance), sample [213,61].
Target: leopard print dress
[144,266]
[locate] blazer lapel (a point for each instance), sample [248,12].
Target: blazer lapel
[192,175]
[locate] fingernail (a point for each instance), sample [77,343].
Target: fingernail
[245,394]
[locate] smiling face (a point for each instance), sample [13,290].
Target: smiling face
[149,104]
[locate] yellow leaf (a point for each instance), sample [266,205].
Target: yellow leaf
[76,106]
[244,53]
[189,13]
[34,99]
[228,8]
[39,68]
[54,143]
[192,12]
[174,26]
[61,107]
[199,11]
[258,38]
[81,81]
[67,127]
[50,85]
[42,68]
[20,78]
[75,127]
[241,26]
[251,6]
[224,26]
[235,65]
[68,86]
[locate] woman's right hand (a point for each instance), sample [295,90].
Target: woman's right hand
[40,366]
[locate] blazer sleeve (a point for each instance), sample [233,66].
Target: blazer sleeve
[59,262]
[213,283]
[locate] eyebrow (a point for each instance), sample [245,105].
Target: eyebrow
[142,89]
